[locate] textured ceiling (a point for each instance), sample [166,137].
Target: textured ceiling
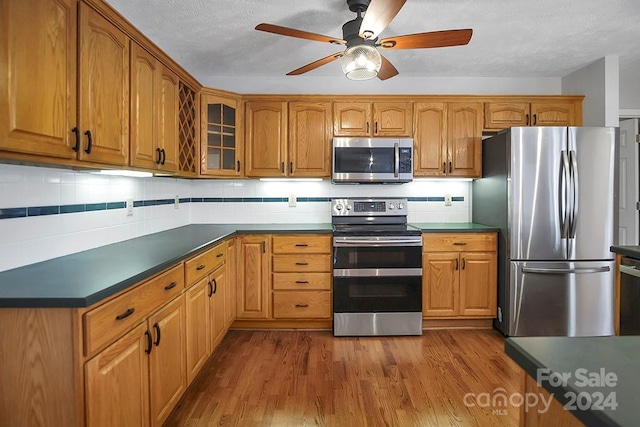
[215,39]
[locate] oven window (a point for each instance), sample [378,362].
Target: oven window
[377,294]
[364,160]
[377,257]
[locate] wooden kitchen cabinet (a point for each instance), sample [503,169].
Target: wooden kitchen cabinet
[504,113]
[459,275]
[266,138]
[309,153]
[197,324]
[232,280]
[372,118]
[154,113]
[218,301]
[253,277]
[221,149]
[448,139]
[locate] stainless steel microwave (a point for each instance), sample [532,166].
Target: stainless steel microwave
[372,160]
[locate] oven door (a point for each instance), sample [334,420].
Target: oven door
[377,294]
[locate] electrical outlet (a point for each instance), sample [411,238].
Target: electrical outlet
[176,202]
[293,201]
[129,205]
[447,199]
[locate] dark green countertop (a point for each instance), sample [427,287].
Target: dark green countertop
[586,357]
[453,227]
[630,251]
[84,278]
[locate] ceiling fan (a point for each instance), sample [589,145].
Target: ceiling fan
[361,59]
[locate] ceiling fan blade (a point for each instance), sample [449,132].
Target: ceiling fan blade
[387,70]
[425,40]
[315,64]
[378,15]
[285,31]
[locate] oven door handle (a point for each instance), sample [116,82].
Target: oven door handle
[376,243]
[396,164]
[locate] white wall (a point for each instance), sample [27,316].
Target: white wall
[29,239]
[599,82]
[630,86]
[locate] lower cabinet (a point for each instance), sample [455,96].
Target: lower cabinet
[197,315]
[253,277]
[459,275]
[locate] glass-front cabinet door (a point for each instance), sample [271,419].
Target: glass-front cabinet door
[221,142]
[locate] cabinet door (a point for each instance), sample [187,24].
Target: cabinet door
[197,326]
[117,383]
[478,284]
[168,119]
[310,139]
[104,89]
[500,115]
[167,360]
[38,77]
[145,71]
[392,119]
[430,139]
[220,137]
[553,114]
[266,138]
[232,281]
[464,133]
[352,119]
[217,313]
[440,284]
[253,286]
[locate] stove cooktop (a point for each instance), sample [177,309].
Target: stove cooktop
[375,229]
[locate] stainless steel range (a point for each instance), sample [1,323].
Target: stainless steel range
[377,268]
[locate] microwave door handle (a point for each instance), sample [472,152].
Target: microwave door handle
[396,165]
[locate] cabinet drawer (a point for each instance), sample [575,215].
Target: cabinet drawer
[110,320]
[302,243]
[293,263]
[459,242]
[302,281]
[302,305]
[201,265]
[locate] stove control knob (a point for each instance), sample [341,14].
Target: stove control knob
[400,205]
[391,206]
[339,207]
[348,207]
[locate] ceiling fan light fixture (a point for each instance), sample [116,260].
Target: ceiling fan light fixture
[361,62]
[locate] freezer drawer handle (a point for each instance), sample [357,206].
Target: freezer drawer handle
[629,270]
[565,270]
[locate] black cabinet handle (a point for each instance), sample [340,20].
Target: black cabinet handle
[210,289]
[302,305]
[302,263]
[238,165]
[444,167]
[77,132]
[164,156]
[535,119]
[215,286]
[156,327]
[302,281]
[149,342]
[264,247]
[527,119]
[170,286]
[450,167]
[126,314]
[303,245]
[376,129]
[367,127]
[459,243]
[159,153]
[221,254]
[463,263]
[456,263]
[290,167]
[200,267]
[89,143]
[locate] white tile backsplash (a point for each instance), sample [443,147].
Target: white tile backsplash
[32,239]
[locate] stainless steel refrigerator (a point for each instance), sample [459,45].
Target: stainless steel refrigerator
[552,192]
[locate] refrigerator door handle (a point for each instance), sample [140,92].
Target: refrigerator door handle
[573,173]
[565,270]
[563,194]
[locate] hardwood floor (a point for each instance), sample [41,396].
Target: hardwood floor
[293,378]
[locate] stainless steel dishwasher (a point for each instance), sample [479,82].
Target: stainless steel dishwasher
[629,296]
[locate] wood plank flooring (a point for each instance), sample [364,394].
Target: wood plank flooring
[310,378]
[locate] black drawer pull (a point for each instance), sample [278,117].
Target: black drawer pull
[221,254]
[302,305]
[459,243]
[157,329]
[302,263]
[149,342]
[170,286]
[302,281]
[200,267]
[301,245]
[126,314]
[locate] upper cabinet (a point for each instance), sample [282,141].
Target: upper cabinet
[309,139]
[188,130]
[372,119]
[154,107]
[560,111]
[448,139]
[221,148]
[266,138]
[38,77]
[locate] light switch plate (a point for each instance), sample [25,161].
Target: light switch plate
[447,200]
[176,202]
[293,201]
[129,204]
